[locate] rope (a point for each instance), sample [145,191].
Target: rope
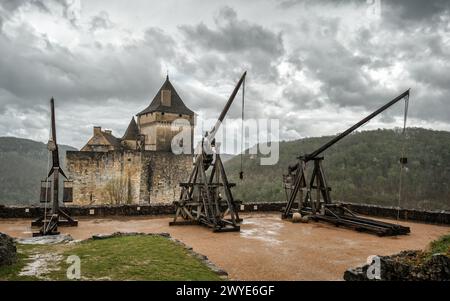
[241,173]
[402,163]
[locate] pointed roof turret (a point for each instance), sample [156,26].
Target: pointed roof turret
[132,131]
[173,103]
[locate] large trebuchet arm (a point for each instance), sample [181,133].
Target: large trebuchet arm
[333,141]
[54,145]
[210,136]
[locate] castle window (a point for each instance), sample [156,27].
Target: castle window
[166,98]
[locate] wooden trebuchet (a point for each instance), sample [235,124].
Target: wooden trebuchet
[206,198]
[49,222]
[320,207]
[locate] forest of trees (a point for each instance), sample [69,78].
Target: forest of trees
[362,168]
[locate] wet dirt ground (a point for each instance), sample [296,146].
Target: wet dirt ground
[267,248]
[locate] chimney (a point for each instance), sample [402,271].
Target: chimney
[108,132]
[97,130]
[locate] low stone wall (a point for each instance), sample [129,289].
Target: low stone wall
[119,210]
[98,210]
[434,217]
[431,217]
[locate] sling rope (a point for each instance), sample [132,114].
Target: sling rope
[402,158]
[241,173]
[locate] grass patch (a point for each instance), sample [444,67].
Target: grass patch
[441,245]
[11,272]
[140,257]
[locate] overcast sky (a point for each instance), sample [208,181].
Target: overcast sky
[318,66]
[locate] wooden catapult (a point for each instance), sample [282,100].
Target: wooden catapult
[50,221]
[321,207]
[206,199]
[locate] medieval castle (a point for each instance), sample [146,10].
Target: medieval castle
[139,167]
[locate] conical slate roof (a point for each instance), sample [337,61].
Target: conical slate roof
[177,105]
[132,131]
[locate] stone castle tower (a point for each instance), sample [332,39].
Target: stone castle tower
[155,121]
[139,167]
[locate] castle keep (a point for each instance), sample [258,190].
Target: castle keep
[139,167]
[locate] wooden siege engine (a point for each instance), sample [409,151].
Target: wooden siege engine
[206,198]
[320,206]
[50,221]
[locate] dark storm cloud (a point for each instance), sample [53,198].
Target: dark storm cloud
[300,96]
[418,10]
[86,78]
[89,77]
[312,62]
[338,69]
[67,7]
[236,42]
[397,13]
[409,36]
[12,5]
[410,9]
[100,21]
[434,74]
[234,35]
[43,69]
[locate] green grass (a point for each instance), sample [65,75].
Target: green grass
[441,245]
[141,257]
[11,272]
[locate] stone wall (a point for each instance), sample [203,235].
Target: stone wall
[431,217]
[93,210]
[162,174]
[126,177]
[168,209]
[159,130]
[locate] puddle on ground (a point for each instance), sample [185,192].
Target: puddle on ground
[263,229]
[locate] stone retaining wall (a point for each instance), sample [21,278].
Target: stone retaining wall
[434,217]
[431,217]
[98,210]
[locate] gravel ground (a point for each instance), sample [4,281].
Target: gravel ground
[267,248]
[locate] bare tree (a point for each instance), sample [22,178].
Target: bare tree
[119,190]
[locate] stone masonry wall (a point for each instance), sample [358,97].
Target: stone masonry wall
[128,177]
[162,174]
[432,217]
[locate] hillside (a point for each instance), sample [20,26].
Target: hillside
[362,168]
[23,165]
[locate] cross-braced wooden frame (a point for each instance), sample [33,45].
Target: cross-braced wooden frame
[207,199]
